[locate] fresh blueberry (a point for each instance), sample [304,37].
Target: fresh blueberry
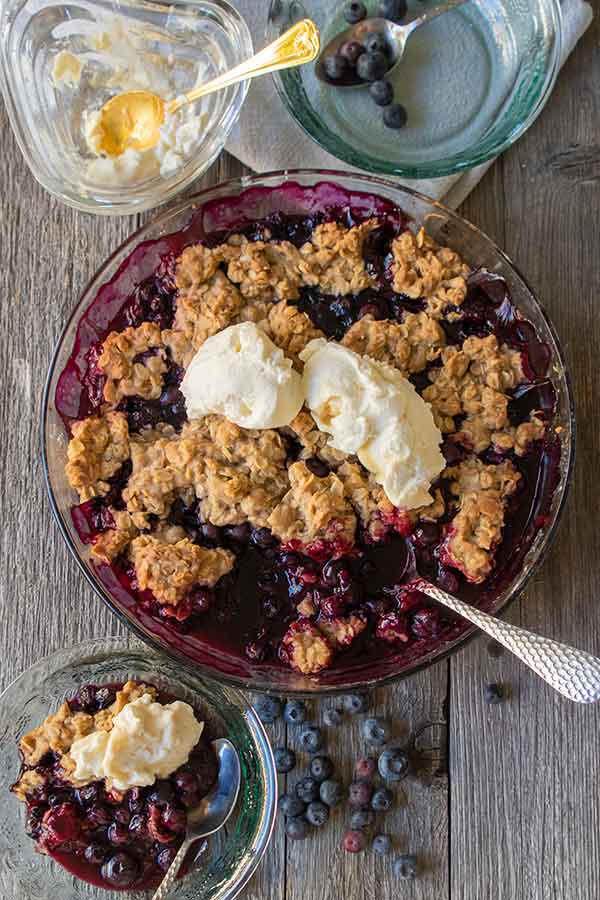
[307,789]
[296,829]
[351,50]
[317,813]
[365,768]
[285,759]
[356,703]
[359,794]
[493,693]
[291,805]
[268,709]
[382,800]
[376,731]
[354,841]
[311,738]
[321,768]
[120,870]
[375,42]
[294,712]
[393,764]
[394,116]
[382,844]
[371,66]
[331,792]
[395,10]
[355,12]
[361,819]
[333,717]
[405,866]
[335,66]
[382,92]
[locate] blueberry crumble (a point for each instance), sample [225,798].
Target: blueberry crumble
[122,830]
[269,544]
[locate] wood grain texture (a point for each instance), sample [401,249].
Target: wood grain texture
[518,817]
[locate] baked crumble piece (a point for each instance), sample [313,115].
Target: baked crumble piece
[307,649]
[269,271]
[423,269]
[314,443]
[334,257]
[57,732]
[290,329]
[134,363]
[409,345]
[341,631]
[98,447]
[170,570]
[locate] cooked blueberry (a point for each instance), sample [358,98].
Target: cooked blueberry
[33,822]
[365,768]
[405,866]
[98,815]
[307,789]
[448,581]
[395,10]
[321,768]
[493,693]
[356,703]
[333,717]
[294,711]
[382,799]
[351,50]
[122,816]
[375,42]
[238,533]
[120,870]
[95,854]
[58,797]
[262,537]
[361,819]
[202,599]
[165,858]
[162,792]
[105,697]
[354,841]
[85,699]
[296,828]
[285,759]
[185,783]
[355,12]
[382,92]
[426,622]
[118,834]
[371,66]
[291,805]
[268,709]
[359,794]
[209,532]
[394,116]
[88,794]
[330,792]
[311,738]
[393,764]
[317,813]
[382,844]
[376,731]
[138,826]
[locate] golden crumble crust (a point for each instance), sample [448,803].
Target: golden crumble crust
[521,437]
[423,269]
[366,496]
[98,447]
[307,648]
[29,782]
[114,541]
[264,270]
[314,441]
[126,375]
[195,266]
[291,329]
[170,570]
[410,345]
[203,311]
[334,258]
[314,508]
[341,631]
[57,733]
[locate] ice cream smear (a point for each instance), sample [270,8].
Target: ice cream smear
[148,740]
[370,409]
[241,374]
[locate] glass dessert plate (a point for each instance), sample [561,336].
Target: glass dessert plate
[306,193]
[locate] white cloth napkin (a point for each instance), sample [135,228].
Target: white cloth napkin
[267,138]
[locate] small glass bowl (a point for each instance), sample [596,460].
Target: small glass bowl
[234,853]
[197,38]
[472,81]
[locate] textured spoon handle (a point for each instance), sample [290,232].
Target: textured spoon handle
[573,673]
[173,870]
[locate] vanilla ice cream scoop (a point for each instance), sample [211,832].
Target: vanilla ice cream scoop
[241,374]
[370,409]
[148,740]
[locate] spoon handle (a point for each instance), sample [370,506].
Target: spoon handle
[171,875]
[431,14]
[299,44]
[573,673]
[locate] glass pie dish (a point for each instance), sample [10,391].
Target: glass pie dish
[233,854]
[308,194]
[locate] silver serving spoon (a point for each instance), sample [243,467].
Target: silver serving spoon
[396,37]
[573,673]
[211,814]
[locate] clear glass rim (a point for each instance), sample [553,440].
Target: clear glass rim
[316,130]
[241,184]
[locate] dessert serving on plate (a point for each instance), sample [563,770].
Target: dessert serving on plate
[260,422]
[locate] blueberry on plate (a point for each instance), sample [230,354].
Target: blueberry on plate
[361,819]
[268,709]
[291,805]
[355,12]
[351,50]
[382,844]
[335,66]
[375,42]
[371,66]
[307,789]
[493,693]
[285,759]
[382,92]
[333,717]
[394,116]
[382,799]
[405,866]
[376,731]
[294,712]
[321,768]
[393,764]
[395,10]
[311,738]
[331,792]
[296,829]
[356,703]
[317,813]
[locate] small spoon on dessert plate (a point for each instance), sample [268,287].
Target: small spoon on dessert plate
[573,673]
[395,36]
[212,812]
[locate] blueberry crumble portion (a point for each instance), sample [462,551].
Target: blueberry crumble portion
[270,545]
[116,839]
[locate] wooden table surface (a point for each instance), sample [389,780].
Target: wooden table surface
[516,814]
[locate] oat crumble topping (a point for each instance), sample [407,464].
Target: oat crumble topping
[410,345]
[290,329]
[131,367]
[308,649]
[423,269]
[170,570]
[98,447]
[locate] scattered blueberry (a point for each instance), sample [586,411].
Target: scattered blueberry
[356,703]
[375,42]
[395,10]
[371,66]
[405,866]
[382,799]
[354,841]
[351,50]
[333,717]
[361,819]
[382,844]
[393,764]
[317,813]
[394,116]
[359,794]
[321,768]
[376,731]
[285,759]
[291,805]
[331,792]
[382,92]
[307,789]
[365,768]
[294,712]
[493,693]
[355,12]
[296,829]
[335,66]
[268,709]
[311,738]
